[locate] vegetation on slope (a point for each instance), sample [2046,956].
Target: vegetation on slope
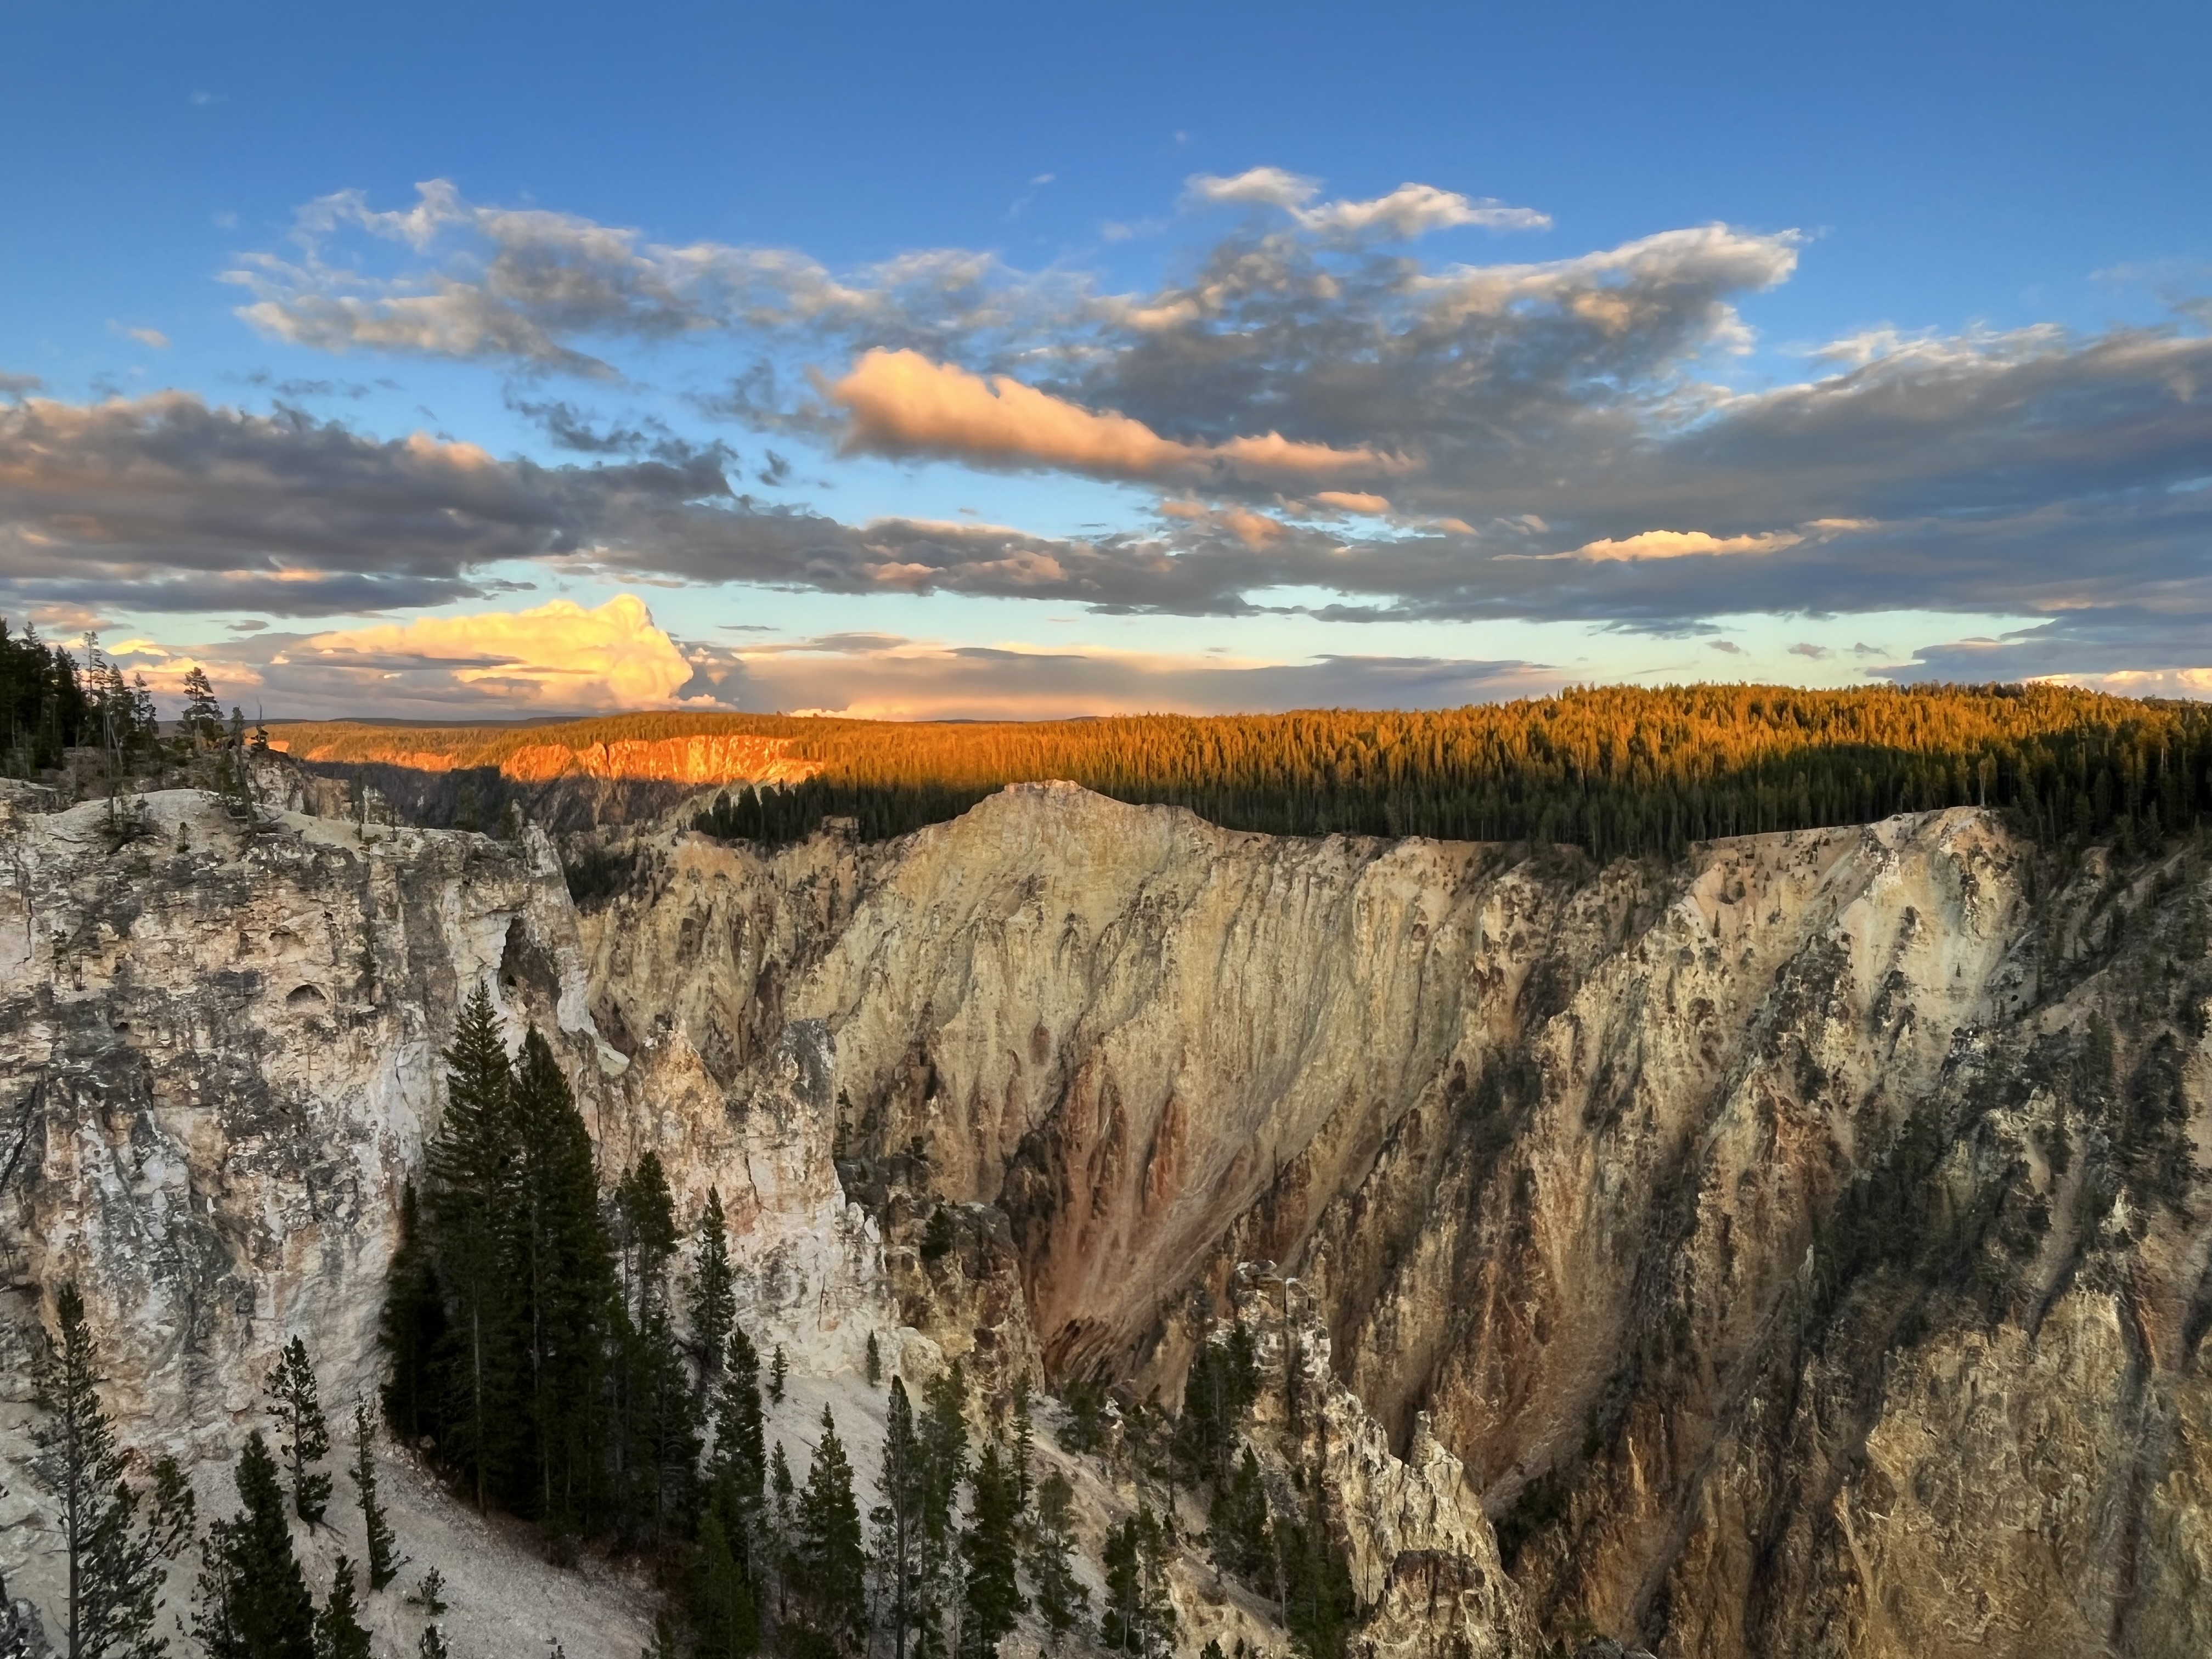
[1613,769]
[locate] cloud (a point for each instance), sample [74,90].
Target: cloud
[901,403]
[151,337]
[2144,682]
[1682,545]
[887,677]
[16,387]
[558,655]
[1353,500]
[165,503]
[1410,210]
[1555,439]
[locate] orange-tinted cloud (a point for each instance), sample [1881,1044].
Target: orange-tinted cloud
[1684,544]
[1353,500]
[903,403]
[559,654]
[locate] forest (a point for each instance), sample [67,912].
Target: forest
[1615,770]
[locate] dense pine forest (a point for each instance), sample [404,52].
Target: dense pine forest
[1613,769]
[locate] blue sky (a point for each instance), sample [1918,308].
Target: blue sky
[998,360]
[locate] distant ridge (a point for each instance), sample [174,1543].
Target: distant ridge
[1613,769]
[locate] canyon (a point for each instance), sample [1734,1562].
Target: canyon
[1796,1249]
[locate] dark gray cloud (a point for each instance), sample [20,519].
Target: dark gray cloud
[165,503]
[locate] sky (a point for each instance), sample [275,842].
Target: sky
[476,361]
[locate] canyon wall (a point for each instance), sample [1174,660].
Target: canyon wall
[1802,1249]
[1797,1250]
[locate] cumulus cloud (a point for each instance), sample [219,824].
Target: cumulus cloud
[151,337]
[558,655]
[901,403]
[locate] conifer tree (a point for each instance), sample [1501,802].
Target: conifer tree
[470,1162]
[563,1276]
[871,1363]
[941,1438]
[713,1308]
[1237,1523]
[829,1546]
[113,1557]
[777,1370]
[253,1602]
[433,1644]
[203,715]
[1024,1450]
[991,1597]
[779,1482]
[293,1396]
[1138,1619]
[383,1566]
[338,1633]
[898,1520]
[665,1422]
[646,1213]
[725,1624]
[1061,1598]
[1319,1604]
[412,1325]
[738,1430]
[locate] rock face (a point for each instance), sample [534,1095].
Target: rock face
[1797,1251]
[1800,1249]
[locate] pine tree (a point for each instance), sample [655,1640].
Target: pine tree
[777,1370]
[470,1162]
[779,1481]
[992,1599]
[1061,1598]
[412,1326]
[253,1602]
[291,1395]
[338,1633]
[1237,1524]
[666,1420]
[898,1520]
[713,1308]
[383,1568]
[738,1431]
[1139,1620]
[202,715]
[646,1213]
[941,1437]
[563,1276]
[114,1558]
[1319,1604]
[433,1644]
[871,1364]
[724,1622]
[1025,1453]
[828,1544]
